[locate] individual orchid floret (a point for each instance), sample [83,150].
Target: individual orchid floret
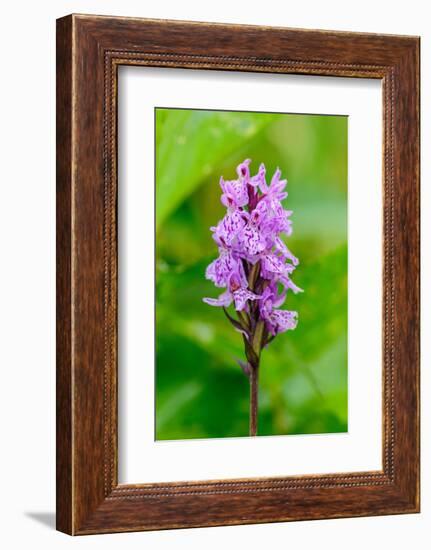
[250,243]
[254,265]
[259,179]
[281,320]
[236,292]
[243,170]
[235,193]
[276,320]
[221,270]
[227,230]
[276,189]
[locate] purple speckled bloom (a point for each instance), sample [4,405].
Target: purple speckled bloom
[250,235]
[254,265]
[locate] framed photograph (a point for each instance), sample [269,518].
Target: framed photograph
[237,274]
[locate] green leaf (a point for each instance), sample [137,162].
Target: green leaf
[190,146]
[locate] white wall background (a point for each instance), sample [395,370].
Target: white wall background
[27,279]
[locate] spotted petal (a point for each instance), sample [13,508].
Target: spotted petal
[241,296]
[224,300]
[273,264]
[281,320]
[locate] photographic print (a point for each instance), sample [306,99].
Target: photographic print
[237,231]
[251,273]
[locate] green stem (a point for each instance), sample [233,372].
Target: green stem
[244,318]
[257,337]
[254,393]
[253,275]
[253,348]
[256,344]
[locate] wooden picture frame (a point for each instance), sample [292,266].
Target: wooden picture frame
[89,51]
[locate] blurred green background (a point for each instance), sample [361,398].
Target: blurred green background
[200,390]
